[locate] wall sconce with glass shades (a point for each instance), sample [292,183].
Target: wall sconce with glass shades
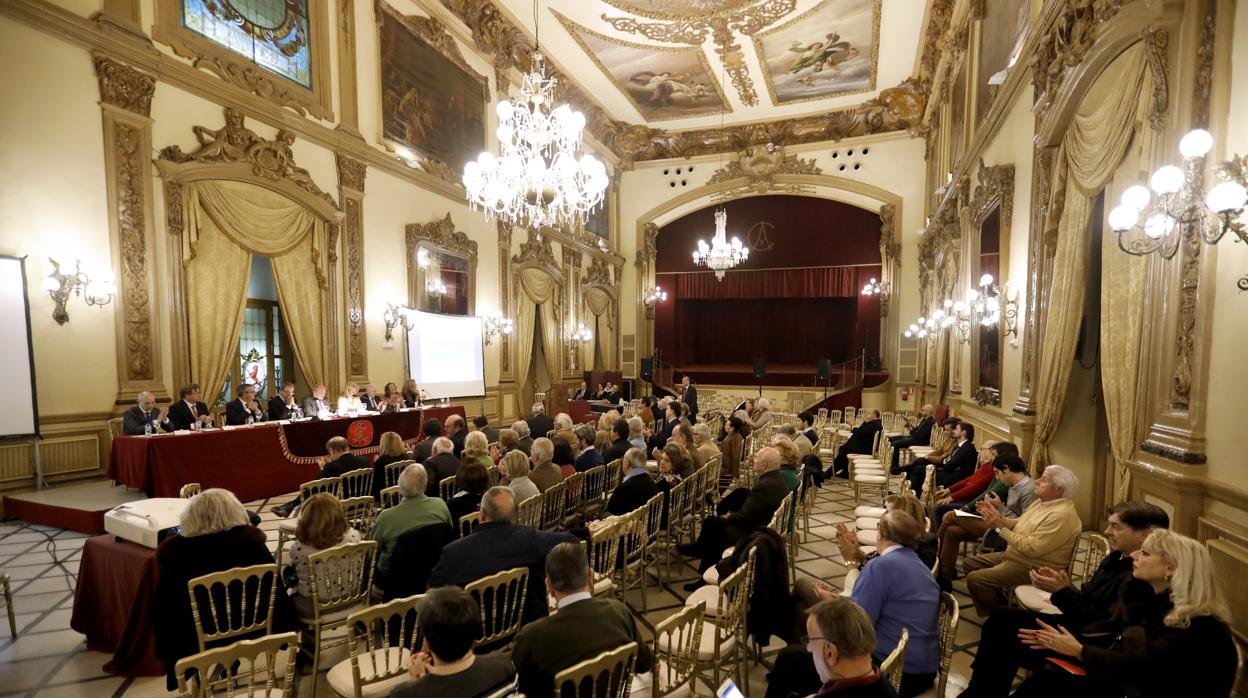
[876,288]
[497,324]
[1177,210]
[493,324]
[59,285]
[654,296]
[990,304]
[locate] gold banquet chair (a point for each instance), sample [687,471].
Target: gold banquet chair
[264,667]
[340,579]
[891,667]
[229,605]
[947,626]
[357,483]
[501,597]
[394,470]
[391,496]
[676,642]
[553,501]
[382,639]
[609,675]
[529,512]
[360,512]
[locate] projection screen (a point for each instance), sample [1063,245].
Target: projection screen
[445,354]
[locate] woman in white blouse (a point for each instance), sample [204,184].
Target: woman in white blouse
[349,401]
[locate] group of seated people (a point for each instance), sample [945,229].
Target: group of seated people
[607,392]
[1149,612]
[190,412]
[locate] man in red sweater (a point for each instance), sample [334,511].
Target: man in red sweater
[964,491]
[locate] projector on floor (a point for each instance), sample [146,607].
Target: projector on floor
[146,522]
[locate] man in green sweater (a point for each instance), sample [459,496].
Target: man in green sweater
[414,511]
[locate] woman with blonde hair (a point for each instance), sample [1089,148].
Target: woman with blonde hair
[513,471]
[391,450]
[321,525]
[411,392]
[216,535]
[476,450]
[1172,635]
[349,402]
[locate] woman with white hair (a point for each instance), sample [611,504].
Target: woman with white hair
[216,535]
[1171,637]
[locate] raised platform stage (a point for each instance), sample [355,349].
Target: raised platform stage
[78,507]
[789,375]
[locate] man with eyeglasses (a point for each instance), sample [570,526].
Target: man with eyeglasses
[840,639]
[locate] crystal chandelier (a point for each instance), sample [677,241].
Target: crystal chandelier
[720,255]
[540,178]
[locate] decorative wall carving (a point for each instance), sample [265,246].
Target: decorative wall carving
[599,273]
[890,249]
[759,167]
[1067,40]
[440,233]
[234,142]
[123,86]
[504,271]
[994,187]
[1155,43]
[351,173]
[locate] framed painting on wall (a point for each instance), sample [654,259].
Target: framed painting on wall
[432,102]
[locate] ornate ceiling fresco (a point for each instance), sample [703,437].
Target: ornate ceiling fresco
[681,62]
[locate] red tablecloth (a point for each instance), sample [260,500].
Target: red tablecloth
[113,604]
[255,462]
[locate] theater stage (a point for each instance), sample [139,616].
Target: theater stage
[782,375]
[78,507]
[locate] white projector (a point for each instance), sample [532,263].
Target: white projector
[146,522]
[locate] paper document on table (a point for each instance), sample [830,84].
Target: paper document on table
[959,512]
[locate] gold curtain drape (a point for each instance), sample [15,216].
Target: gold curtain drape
[1094,145]
[227,222]
[598,302]
[543,290]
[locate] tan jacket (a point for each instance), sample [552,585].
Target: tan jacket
[1044,536]
[803,444]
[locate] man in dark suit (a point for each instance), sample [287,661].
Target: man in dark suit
[482,423]
[283,405]
[620,445]
[637,487]
[525,443]
[920,434]
[961,462]
[135,420]
[244,409]
[860,440]
[432,429]
[662,433]
[188,409]
[341,462]
[689,396]
[370,399]
[808,427]
[499,544]
[540,423]
[719,532]
[456,429]
[590,457]
[441,465]
[583,628]
[315,404]
[582,393]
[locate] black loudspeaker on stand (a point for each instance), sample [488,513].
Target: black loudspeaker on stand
[647,368]
[760,372]
[823,374]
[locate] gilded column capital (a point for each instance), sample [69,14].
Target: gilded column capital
[124,87]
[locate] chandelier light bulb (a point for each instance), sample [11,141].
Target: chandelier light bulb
[1167,180]
[1226,197]
[940,313]
[1136,196]
[959,307]
[914,328]
[948,304]
[1158,226]
[1124,216]
[909,334]
[1196,143]
[985,280]
[972,294]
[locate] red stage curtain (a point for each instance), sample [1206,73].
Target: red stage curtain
[781,330]
[818,282]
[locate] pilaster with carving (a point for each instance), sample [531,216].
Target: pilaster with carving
[575,303]
[1039,271]
[351,173]
[349,102]
[504,297]
[125,105]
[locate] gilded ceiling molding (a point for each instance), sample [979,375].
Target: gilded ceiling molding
[351,173]
[938,19]
[125,101]
[759,167]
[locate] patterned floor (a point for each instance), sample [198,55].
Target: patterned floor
[50,660]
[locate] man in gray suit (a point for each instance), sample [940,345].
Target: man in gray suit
[314,404]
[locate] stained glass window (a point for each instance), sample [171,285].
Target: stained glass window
[273,34]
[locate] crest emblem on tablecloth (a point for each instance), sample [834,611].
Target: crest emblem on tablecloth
[360,433]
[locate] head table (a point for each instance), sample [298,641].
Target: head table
[254,461]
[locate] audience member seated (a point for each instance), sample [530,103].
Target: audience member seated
[704,443]
[471,482]
[476,450]
[392,399]
[1044,536]
[636,436]
[417,509]
[646,413]
[1174,641]
[1010,471]
[719,532]
[283,406]
[441,465]
[807,421]
[391,449]
[456,430]
[371,400]
[840,639]
[446,666]
[188,409]
[958,465]
[619,444]
[590,456]
[513,471]
[137,420]
[508,441]
[564,430]
[861,440]
[432,429]
[581,393]
[850,545]
[919,434]
[663,432]
[341,461]
[526,439]
[790,461]
[215,535]
[349,401]
[499,544]
[540,423]
[761,416]
[482,424]
[321,526]
[731,449]
[936,457]
[683,435]
[636,489]
[315,404]
[582,628]
[244,409]
[1088,611]
[545,474]
[964,491]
